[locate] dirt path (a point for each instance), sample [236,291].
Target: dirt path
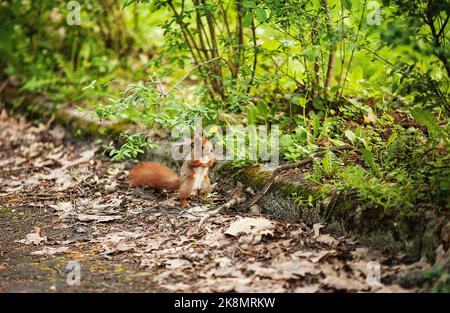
[64,205]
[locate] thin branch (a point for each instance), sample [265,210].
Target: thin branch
[379,56]
[353,49]
[201,29]
[186,33]
[188,74]
[217,70]
[236,198]
[443,26]
[255,56]
[279,68]
[437,43]
[332,52]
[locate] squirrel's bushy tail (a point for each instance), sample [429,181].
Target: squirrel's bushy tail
[155,175]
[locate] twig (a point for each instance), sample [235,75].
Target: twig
[255,57]
[299,84]
[336,198]
[353,49]
[4,84]
[189,74]
[379,56]
[236,198]
[288,167]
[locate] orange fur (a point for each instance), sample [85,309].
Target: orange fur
[154,175]
[193,178]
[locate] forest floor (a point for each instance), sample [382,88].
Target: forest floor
[62,200]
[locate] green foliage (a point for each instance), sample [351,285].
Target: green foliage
[423,27]
[368,158]
[316,68]
[373,191]
[134,145]
[328,163]
[427,119]
[297,145]
[439,278]
[51,56]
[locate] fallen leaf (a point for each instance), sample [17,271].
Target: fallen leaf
[392,289]
[125,246]
[178,287]
[263,285]
[370,118]
[298,267]
[97,218]
[328,240]
[111,186]
[63,209]
[50,251]
[254,227]
[343,282]
[317,227]
[307,289]
[177,263]
[35,238]
[286,270]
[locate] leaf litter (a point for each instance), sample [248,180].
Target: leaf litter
[89,213]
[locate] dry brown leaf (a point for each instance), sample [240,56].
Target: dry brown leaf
[97,218]
[317,227]
[328,240]
[308,289]
[370,118]
[63,209]
[252,228]
[35,238]
[177,263]
[343,282]
[50,251]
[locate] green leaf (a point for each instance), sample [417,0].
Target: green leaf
[350,136]
[327,162]
[261,15]
[391,139]
[286,141]
[427,119]
[347,4]
[91,85]
[364,142]
[249,4]
[247,21]
[301,134]
[369,160]
[311,52]
[251,115]
[358,131]
[336,142]
[128,3]
[315,124]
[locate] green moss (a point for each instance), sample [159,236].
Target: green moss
[6,212]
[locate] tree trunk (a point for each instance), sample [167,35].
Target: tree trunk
[332,52]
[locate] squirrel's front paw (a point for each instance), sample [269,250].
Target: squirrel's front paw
[184,202]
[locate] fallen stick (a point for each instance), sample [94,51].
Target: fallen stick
[236,198]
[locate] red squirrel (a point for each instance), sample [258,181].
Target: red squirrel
[193,177]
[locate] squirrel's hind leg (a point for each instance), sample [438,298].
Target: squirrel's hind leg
[206,186]
[185,192]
